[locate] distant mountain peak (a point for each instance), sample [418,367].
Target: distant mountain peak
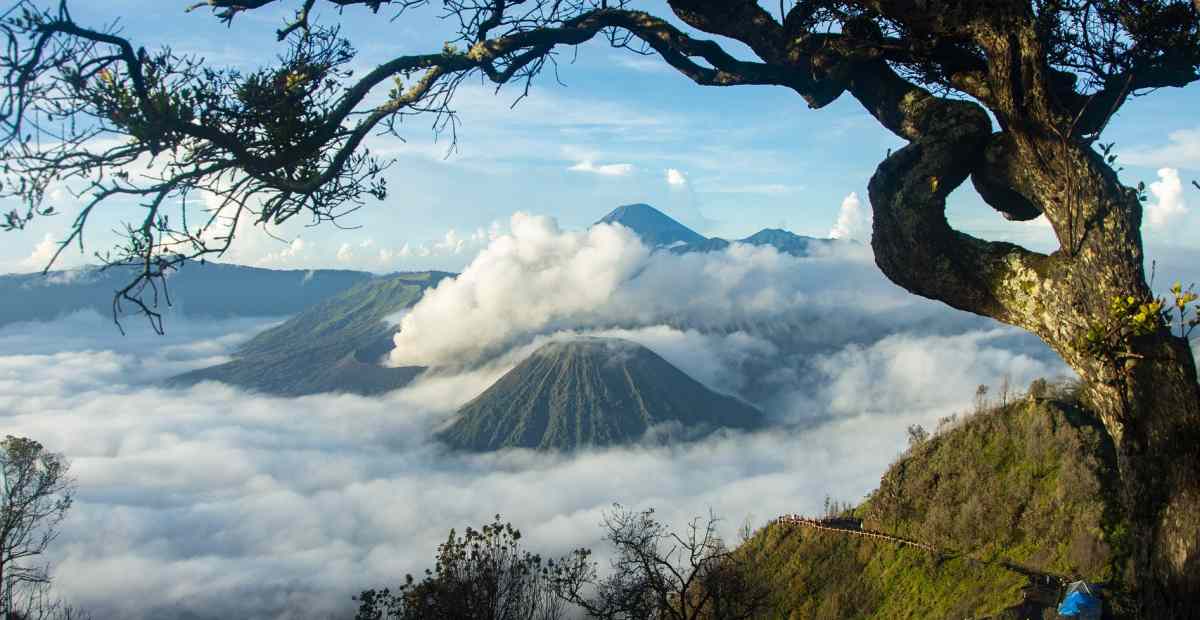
[653,226]
[785,241]
[769,235]
[591,392]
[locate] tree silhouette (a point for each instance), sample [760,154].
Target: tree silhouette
[36,496]
[483,573]
[663,575]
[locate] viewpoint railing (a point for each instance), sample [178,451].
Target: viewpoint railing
[853,527]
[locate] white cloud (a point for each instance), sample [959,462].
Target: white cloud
[227,504]
[925,372]
[608,170]
[570,272]
[854,222]
[294,254]
[539,279]
[675,178]
[345,253]
[640,63]
[451,252]
[41,255]
[1168,204]
[1181,151]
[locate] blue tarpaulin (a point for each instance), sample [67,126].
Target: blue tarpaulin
[1080,603]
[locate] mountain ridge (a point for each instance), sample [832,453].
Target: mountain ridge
[210,290]
[333,346]
[659,231]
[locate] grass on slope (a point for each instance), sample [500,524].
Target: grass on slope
[1029,483]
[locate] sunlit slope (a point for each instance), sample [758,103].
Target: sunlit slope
[592,392]
[1030,484]
[334,346]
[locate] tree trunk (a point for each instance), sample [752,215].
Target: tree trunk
[1142,387]
[1158,450]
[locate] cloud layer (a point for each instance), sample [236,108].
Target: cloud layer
[1168,205]
[853,222]
[1182,150]
[212,503]
[539,279]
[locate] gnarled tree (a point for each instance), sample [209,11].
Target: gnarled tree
[81,105]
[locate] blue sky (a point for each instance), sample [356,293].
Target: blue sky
[624,128]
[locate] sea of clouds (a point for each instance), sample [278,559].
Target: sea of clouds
[210,502]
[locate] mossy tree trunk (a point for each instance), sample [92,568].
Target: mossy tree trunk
[1040,162]
[1143,387]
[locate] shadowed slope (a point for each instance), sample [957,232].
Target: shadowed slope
[334,346]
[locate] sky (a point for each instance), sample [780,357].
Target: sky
[621,128]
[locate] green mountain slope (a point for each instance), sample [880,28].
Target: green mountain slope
[1030,484]
[591,392]
[334,346]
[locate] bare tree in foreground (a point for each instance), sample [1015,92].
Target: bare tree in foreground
[656,574]
[82,105]
[36,496]
[663,575]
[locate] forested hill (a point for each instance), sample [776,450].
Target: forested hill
[1029,484]
[213,290]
